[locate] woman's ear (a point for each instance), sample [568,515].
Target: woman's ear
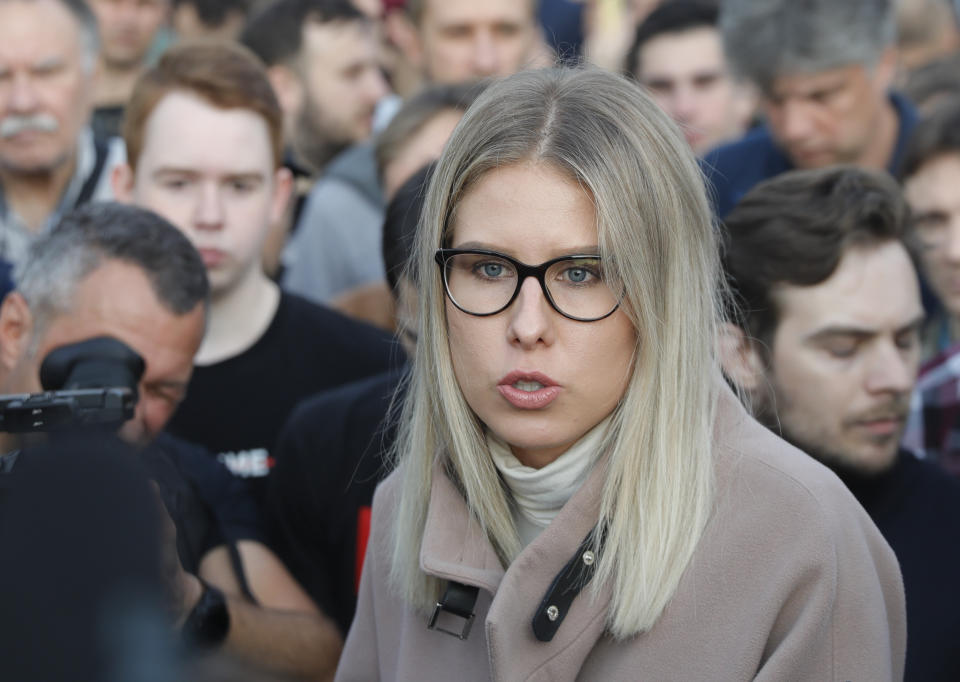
[740,358]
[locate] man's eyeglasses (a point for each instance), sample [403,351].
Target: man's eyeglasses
[483,283]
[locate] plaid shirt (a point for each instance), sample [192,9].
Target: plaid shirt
[933,427]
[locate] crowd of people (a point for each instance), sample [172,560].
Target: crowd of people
[513,339]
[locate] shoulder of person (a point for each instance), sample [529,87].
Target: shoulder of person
[763,482]
[797,550]
[309,314]
[386,498]
[725,161]
[343,401]
[732,169]
[350,178]
[939,369]
[755,461]
[333,323]
[936,486]
[340,426]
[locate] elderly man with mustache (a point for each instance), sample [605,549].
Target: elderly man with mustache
[827,346]
[49,159]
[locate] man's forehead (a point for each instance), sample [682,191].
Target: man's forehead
[695,48]
[186,131]
[473,12]
[938,173]
[326,45]
[117,299]
[807,82]
[874,287]
[111,288]
[45,26]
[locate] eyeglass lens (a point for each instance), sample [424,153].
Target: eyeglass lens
[483,284]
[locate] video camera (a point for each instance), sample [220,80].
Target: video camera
[91,383]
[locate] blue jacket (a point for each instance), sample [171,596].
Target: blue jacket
[733,169]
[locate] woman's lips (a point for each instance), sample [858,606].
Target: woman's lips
[528,390]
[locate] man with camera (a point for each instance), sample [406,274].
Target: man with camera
[205,149]
[116,271]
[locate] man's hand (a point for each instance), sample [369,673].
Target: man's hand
[287,633]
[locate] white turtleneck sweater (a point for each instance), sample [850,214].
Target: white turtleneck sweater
[539,494]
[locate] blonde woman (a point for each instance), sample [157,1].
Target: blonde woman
[577,494]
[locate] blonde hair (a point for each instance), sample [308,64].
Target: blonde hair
[657,240]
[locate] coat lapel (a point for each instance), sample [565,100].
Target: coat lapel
[515,653]
[455,548]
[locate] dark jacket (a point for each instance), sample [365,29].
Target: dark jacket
[733,169]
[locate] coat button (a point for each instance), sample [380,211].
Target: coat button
[588,558]
[553,613]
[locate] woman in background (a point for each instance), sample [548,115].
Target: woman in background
[574,480]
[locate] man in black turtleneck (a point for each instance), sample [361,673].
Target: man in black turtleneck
[827,347]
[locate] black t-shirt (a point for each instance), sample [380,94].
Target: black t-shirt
[916,506]
[233,511]
[330,458]
[236,408]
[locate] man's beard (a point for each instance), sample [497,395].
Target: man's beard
[845,463]
[317,140]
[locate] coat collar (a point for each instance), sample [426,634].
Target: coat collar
[455,548]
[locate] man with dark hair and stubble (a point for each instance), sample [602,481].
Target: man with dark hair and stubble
[823,69]
[321,58]
[322,61]
[122,272]
[450,42]
[678,55]
[826,347]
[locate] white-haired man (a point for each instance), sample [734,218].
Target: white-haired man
[49,159]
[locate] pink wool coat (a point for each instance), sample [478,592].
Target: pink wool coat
[790,581]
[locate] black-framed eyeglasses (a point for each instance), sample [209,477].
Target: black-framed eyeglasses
[483,283]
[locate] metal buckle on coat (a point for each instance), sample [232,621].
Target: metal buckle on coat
[458,600]
[569,582]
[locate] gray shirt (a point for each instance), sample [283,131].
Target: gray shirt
[15,235]
[337,245]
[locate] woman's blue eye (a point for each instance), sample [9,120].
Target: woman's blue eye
[577,275]
[492,269]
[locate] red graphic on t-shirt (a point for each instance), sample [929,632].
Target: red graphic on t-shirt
[363,534]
